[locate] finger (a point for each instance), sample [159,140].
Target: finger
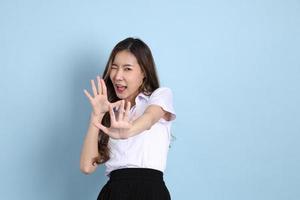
[104,89]
[88,95]
[94,88]
[102,128]
[99,85]
[97,124]
[121,111]
[126,115]
[112,115]
[116,104]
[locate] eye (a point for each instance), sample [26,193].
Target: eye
[127,69]
[114,67]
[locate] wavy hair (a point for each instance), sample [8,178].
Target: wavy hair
[150,83]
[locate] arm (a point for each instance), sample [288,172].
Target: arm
[90,146]
[160,106]
[122,128]
[100,106]
[151,115]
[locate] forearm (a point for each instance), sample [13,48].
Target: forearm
[123,129]
[141,124]
[90,146]
[151,115]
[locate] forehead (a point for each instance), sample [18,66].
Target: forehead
[124,57]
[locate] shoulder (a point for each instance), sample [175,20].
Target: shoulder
[163,97]
[162,92]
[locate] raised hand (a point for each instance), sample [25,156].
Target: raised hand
[99,101]
[119,123]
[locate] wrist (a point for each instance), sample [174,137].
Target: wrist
[129,133]
[96,117]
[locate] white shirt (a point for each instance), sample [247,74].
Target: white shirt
[149,148]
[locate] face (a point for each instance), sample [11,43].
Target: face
[126,76]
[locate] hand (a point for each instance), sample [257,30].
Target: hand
[99,101]
[119,126]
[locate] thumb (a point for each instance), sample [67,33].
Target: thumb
[101,127]
[116,104]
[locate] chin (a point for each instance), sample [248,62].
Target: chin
[120,96]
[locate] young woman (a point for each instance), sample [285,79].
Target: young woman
[129,128]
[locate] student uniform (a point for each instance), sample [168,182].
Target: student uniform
[136,165]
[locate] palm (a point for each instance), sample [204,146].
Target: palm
[120,125]
[99,101]
[100,104]
[119,129]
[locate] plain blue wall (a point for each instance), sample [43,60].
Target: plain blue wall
[234,68]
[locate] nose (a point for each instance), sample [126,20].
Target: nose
[119,74]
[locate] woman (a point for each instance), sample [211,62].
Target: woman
[129,128]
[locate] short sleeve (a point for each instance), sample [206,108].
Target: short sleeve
[163,97]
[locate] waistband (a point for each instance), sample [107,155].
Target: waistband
[136,174]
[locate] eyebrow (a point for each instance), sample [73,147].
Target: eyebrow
[126,65]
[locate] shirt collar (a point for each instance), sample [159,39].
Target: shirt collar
[141,96]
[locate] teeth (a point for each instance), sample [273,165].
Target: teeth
[119,86]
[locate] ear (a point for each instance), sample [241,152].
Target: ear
[143,73]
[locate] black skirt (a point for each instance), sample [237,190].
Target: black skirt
[135,184]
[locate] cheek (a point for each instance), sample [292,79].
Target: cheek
[111,75]
[140,81]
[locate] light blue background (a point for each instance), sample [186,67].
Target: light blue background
[234,68]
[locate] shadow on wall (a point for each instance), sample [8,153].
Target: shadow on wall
[66,131]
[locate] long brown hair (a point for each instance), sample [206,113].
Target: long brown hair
[150,83]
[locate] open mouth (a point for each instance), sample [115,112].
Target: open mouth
[120,88]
